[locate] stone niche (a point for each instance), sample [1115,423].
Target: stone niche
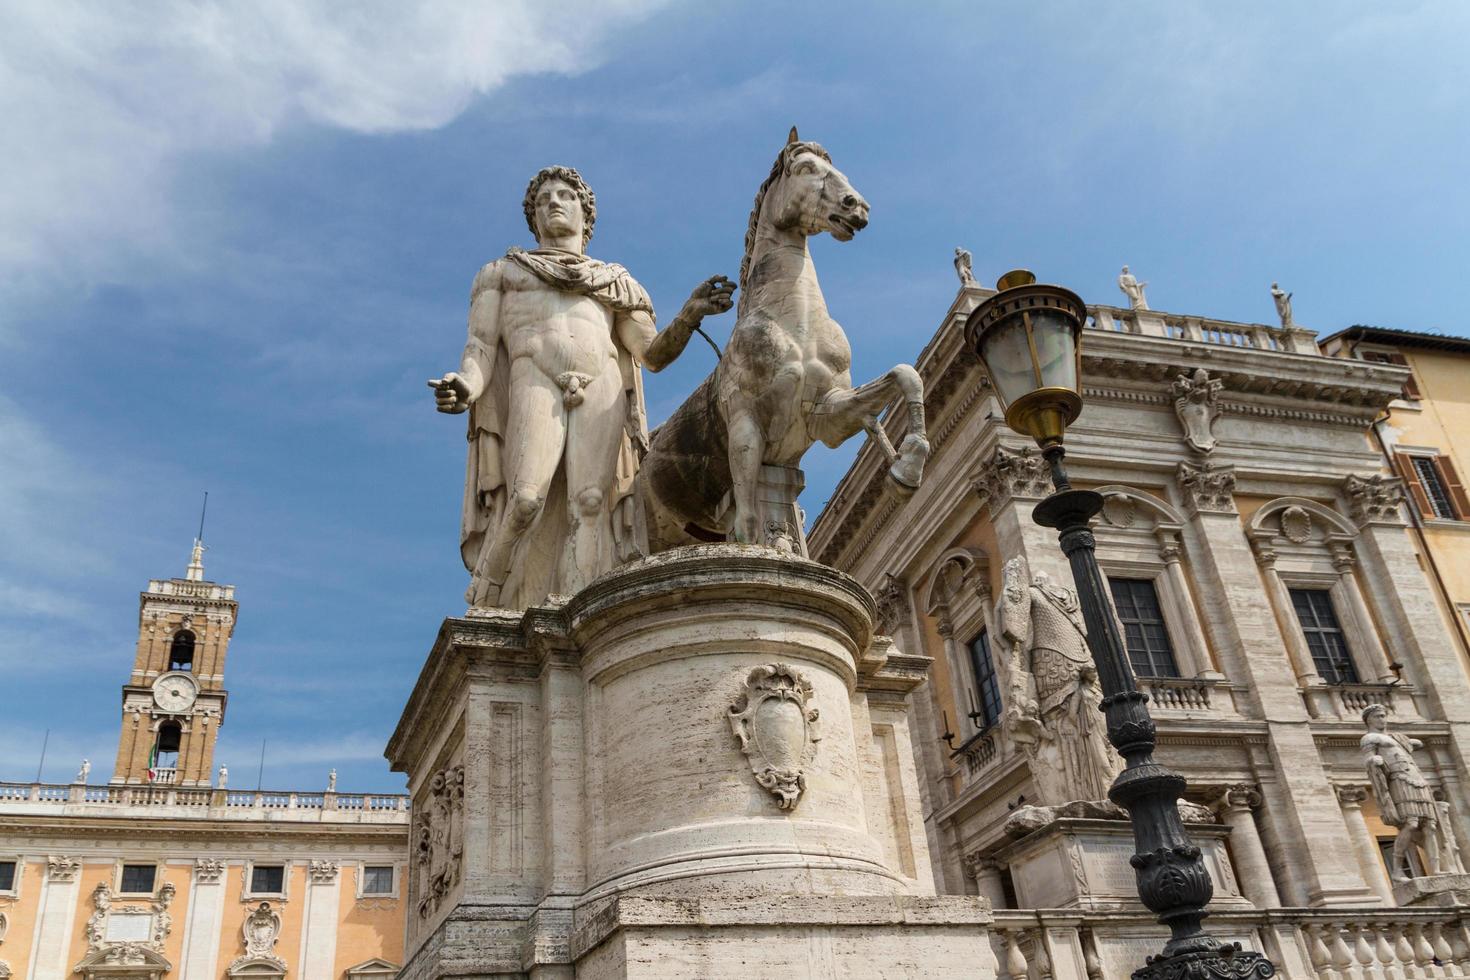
[700,765]
[1083,863]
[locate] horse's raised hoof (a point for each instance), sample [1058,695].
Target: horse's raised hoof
[898,488]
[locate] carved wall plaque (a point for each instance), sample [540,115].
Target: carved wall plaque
[777,729]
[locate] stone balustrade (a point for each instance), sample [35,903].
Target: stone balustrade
[1347,701]
[979,752]
[1368,943]
[233,804]
[1186,694]
[1225,333]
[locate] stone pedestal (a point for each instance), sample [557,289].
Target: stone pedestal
[681,758]
[1433,890]
[1082,863]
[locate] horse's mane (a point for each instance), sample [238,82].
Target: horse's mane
[777,169]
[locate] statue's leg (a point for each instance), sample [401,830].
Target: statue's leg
[1431,844]
[534,435]
[747,449]
[842,413]
[594,435]
[1402,870]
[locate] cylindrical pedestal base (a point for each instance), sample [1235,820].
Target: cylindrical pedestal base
[720,723]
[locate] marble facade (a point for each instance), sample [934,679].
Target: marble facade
[1238,472]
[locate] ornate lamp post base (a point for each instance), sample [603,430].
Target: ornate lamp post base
[1172,879]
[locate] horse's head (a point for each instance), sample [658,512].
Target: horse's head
[808,194]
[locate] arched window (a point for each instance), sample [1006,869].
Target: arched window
[181,651]
[166,749]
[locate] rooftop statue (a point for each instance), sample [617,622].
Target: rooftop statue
[784,380]
[1133,289]
[550,378]
[962,266]
[1282,299]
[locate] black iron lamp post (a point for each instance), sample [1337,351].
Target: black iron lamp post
[1028,336]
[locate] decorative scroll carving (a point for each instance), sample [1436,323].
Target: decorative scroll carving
[208,871]
[1012,474]
[438,839]
[1296,525]
[893,604]
[62,868]
[1241,796]
[1374,498]
[1197,403]
[777,729]
[1207,488]
[322,872]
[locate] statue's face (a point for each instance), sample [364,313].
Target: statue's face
[1377,722]
[820,198]
[558,211]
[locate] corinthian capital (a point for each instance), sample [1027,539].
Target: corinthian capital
[1374,499]
[1207,488]
[1009,474]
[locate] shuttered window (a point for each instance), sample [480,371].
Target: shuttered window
[1434,485]
[1411,387]
[987,685]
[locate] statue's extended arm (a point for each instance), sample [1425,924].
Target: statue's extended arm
[456,390]
[656,349]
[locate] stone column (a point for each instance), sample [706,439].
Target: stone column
[1280,597]
[319,921]
[55,918]
[1303,825]
[1371,658]
[986,872]
[203,923]
[1365,848]
[1186,620]
[1252,869]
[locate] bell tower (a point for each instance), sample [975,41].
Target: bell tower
[174,702]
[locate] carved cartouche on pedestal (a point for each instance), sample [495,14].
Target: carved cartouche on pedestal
[1196,402]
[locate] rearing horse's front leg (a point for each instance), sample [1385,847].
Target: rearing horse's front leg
[842,413]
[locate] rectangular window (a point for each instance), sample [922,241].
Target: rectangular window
[377,880]
[1324,636]
[987,686]
[137,879]
[7,876]
[1434,489]
[268,879]
[1144,632]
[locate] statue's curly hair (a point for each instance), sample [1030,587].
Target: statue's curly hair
[572,178]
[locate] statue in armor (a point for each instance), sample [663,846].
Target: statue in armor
[1054,692]
[1405,800]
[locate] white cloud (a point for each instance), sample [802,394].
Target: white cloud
[104,102]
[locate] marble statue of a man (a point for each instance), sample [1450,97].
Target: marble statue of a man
[550,377]
[962,263]
[1054,690]
[1133,289]
[1282,300]
[1404,798]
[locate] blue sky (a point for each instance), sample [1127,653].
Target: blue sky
[234,243]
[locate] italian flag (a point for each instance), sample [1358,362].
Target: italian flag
[152,762]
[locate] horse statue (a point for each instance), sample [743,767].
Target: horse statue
[784,379]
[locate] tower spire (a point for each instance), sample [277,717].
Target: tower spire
[195,571]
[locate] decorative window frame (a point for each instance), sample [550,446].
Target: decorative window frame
[248,895]
[20,875]
[959,599]
[1138,537]
[1319,551]
[361,875]
[117,877]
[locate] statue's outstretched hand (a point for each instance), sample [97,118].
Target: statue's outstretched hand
[451,393]
[710,298]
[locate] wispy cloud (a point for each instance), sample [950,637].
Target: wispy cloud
[105,103]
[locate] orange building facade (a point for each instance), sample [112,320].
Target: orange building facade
[167,872]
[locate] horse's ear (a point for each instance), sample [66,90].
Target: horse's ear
[792,138]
